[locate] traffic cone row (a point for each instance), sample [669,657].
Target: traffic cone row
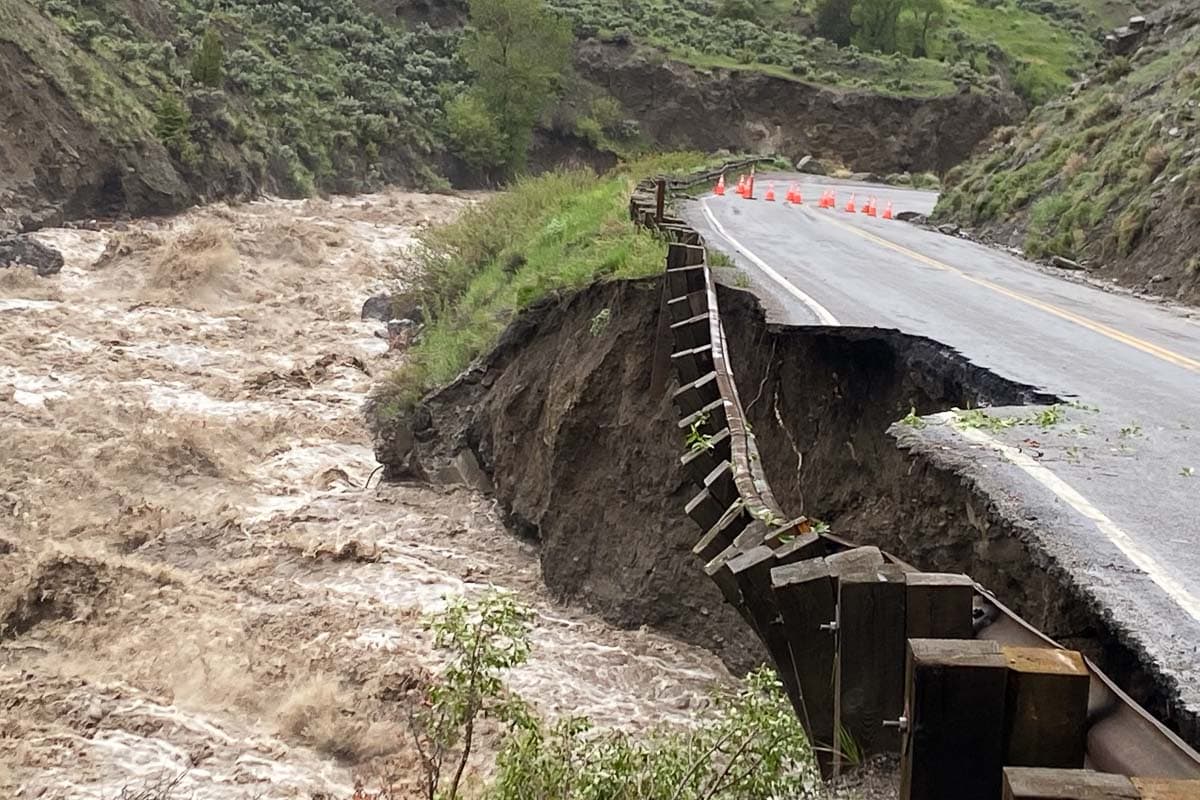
[745,189]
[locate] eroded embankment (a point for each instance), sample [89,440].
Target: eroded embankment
[583,452]
[824,404]
[583,457]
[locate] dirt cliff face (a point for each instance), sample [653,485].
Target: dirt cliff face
[55,164]
[744,110]
[585,458]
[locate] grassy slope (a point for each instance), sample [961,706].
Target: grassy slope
[1041,51]
[319,93]
[557,231]
[1111,175]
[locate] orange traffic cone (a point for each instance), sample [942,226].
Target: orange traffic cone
[741,186]
[749,193]
[850,204]
[870,209]
[720,190]
[770,196]
[830,199]
[887,212]
[797,198]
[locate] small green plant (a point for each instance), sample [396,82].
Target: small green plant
[1049,417]
[697,440]
[600,322]
[979,419]
[741,280]
[752,746]
[819,526]
[1130,430]
[1074,455]
[912,420]
[716,258]
[1188,472]
[480,639]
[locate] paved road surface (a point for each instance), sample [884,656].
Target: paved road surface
[1114,486]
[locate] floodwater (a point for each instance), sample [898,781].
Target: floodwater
[200,582]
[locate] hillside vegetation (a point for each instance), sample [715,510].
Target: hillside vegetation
[918,47]
[1109,176]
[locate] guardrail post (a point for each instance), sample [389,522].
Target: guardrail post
[805,593]
[938,606]
[1046,709]
[954,720]
[869,683]
[1025,783]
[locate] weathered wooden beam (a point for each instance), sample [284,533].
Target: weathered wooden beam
[856,558]
[694,396]
[806,595]
[691,332]
[954,742]
[1159,789]
[719,537]
[709,420]
[869,680]
[938,606]
[1034,783]
[704,509]
[1046,708]
[683,281]
[699,463]
[692,363]
[680,256]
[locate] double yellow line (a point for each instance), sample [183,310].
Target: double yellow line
[1150,348]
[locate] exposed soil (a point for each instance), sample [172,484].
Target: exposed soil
[824,405]
[195,581]
[749,111]
[603,493]
[584,459]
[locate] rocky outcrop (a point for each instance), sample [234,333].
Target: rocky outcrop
[678,106]
[22,251]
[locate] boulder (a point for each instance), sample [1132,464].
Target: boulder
[914,217]
[21,250]
[811,166]
[378,307]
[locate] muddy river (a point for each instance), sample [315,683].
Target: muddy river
[198,585]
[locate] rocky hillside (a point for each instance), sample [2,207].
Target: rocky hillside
[109,106]
[1109,176]
[143,106]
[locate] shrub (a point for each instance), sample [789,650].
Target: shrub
[753,746]
[474,135]
[737,9]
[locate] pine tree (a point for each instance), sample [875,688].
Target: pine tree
[208,63]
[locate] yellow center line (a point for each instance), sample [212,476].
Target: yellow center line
[1155,350]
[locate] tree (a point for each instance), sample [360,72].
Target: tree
[519,52]
[480,641]
[877,21]
[928,16]
[208,68]
[835,20]
[473,132]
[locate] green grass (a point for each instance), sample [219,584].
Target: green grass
[561,230]
[1042,52]
[1038,52]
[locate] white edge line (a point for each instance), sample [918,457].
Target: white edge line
[820,311]
[1143,560]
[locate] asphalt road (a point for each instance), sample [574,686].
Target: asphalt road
[1114,485]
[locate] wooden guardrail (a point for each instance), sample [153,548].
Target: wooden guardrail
[875,655]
